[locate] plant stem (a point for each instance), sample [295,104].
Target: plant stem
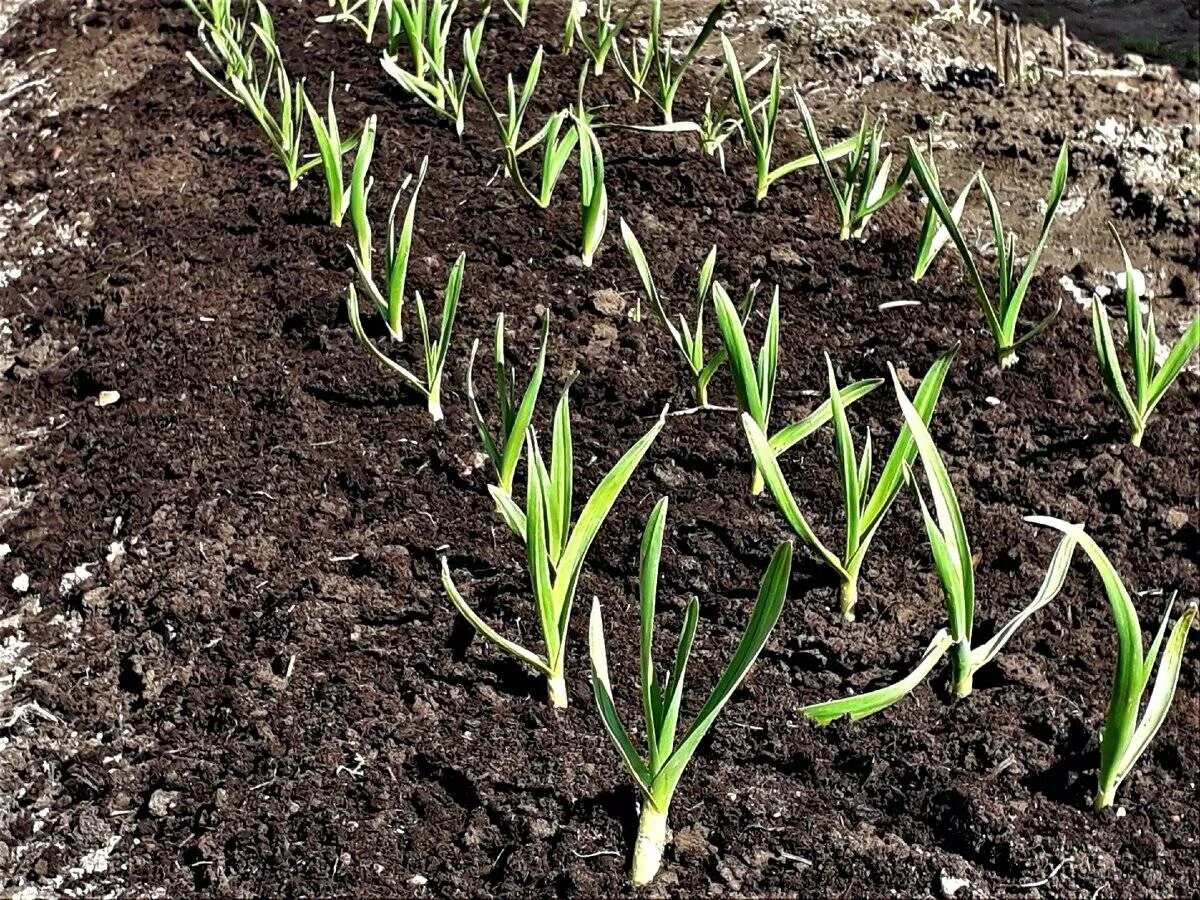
[963,676]
[1104,797]
[1137,434]
[701,394]
[1007,358]
[849,598]
[556,690]
[651,839]
[435,403]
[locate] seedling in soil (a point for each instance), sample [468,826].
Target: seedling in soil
[861,187]
[437,85]
[688,336]
[1150,382]
[658,773]
[555,550]
[397,251]
[715,125]
[504,447]
[934,235]
[601,38]
[1126,736]
[1002,315]
[593,195]
[557,137]
[362,14]
[423,26]
[657,58]
[753,382]
[259,86]
[435,348]
[759,122]
[519,10]
[955,567]
[332,151]
[864,508]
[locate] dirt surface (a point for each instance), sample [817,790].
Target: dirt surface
[233,670]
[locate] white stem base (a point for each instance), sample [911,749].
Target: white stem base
[651,839]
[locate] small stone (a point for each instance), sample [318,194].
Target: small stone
[692,841]
[785,255]
[1133,61]
[574,262]
[1176,519]
[161,802]
[108,398]
[5,550]
[419,880]
[1139,282]
[20,584]
[608,302]
[951,886]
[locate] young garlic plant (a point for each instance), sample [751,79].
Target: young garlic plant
[759,122]
[688,336]
[423,26]
[864,508]
[390,306]
[602,38]
[955,567]
[658,58]
[1150,382]
[753,382]
[259,86]
[332,150]
[933,236]
[1003,315]
[659,772]
[861,187]
[716,126]
[1127,731]
[437,85]
[555,550]
[504,447]
[362,14]
[593,194]
[557,138]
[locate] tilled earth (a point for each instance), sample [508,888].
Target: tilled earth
[250,681]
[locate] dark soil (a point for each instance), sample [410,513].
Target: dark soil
[268,692]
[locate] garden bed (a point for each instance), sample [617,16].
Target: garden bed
[256,683]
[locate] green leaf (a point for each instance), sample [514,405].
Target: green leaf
[516,650]
[650,555]
[741,363]
[793,434]
[768,605]
[862,705]
[604,701]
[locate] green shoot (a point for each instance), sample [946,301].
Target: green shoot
[397,251]
[555,551]
[934,235]
[658,58]
[435,348]
[259,86]
[424,27]
[436,84]
[362,14]
[223,34]
[1003,315]
[688,336]
[753,382]
[864,508]
[861,188]
[332,150]
[603,36]
[504,447]
[1128,732]
[576,10]
[593,195]
[519,10]
[556,143]
[759,122]
[1150,382]
[658,773]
